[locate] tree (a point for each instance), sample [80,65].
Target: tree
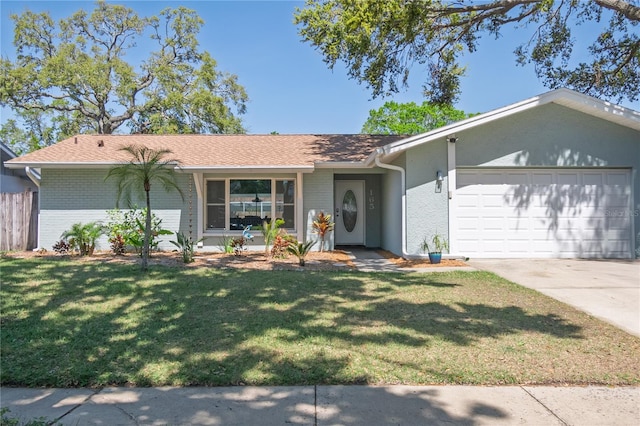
[147,166]
[409,118]
[381,40]
[75,72]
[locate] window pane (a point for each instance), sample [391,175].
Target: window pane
[215,192]
[288,215]
[285,191]
[215,217]
[285,202]
[249,202]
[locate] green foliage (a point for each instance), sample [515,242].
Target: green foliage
[226,244]
[6,420]
[409,118]
[270,230]
[83,237]
[62,247]
[322,225]
[280,245]
[382,41]
[237,245]
[437,245]
[146,167]
[126,229]
[75,76]
[300,250]
[185,245]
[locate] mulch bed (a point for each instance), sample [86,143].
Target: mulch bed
[316,261]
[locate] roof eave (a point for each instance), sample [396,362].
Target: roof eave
[248,169]
[341,164]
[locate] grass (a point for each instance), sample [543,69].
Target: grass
[67,323]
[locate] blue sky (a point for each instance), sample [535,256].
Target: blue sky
[291,90]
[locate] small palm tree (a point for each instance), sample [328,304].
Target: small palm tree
[146,166]
[300,250]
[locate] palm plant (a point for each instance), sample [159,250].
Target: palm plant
[83,237]
[146,166]
[300,250]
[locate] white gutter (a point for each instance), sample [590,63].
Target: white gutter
[403,189]
[33,175]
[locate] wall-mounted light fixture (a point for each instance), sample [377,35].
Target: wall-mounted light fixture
[439,177]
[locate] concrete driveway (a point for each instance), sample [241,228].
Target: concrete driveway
[606,289]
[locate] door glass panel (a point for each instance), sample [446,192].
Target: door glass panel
[349,210]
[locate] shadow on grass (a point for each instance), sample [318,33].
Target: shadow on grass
[67,323]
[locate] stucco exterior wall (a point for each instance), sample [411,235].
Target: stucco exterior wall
[72,196]
[427,202]
[555,136]
[391,209]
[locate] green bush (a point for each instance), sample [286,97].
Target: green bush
[185,245]
[300,250]
[127,227]
[83,237]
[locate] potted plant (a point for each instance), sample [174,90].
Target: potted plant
[434,249]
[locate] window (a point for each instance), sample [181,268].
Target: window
[233,204]
[285,202]
[214,219]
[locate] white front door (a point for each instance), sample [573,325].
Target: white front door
[349,212]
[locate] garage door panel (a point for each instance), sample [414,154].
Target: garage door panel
[468,201]
[543,213]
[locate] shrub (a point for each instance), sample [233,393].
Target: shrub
[185,244]
[322,225]
[226,244]
[130,225]
[117,244]
[300,250]
[83,237]
[61,247]
[280,244]
[270,230]
[238,245]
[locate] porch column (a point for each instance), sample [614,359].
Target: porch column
[198,183]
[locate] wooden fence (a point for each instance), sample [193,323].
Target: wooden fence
[18,221]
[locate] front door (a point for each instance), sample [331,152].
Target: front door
[349,212]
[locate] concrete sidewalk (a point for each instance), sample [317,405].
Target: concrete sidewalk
[329,405]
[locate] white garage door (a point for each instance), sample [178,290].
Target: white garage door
[538,213]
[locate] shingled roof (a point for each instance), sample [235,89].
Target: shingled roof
[211,151]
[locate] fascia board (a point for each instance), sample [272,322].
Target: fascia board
[342,165]
[246,169]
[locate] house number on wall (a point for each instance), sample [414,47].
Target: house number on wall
[372,200]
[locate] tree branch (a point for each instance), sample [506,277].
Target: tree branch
[628,10]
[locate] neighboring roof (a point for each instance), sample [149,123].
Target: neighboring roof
[571,99]
[210,152]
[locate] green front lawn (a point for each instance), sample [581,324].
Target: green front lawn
[75,323]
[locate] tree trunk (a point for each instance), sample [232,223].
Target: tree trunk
[147,234]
